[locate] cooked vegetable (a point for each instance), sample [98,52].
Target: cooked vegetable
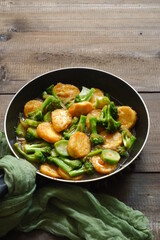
[20,130]
[95,138]
[66,176]
[107,118]
[127,117]
[44,147]
[47,117]
[36,157]
[32,106]
[101,102]
[101,166]
[128,141]
[66,92]
[97,93]
[71,134]
[49,170]
[79,145]
[94,152]
[49,104]
[59,162]
[46,131]
[110,156]
[31,134]
[77,125]
[31,123]
[87,167]
[111,140]
[61,119]
[85,95]
[74,164]
[81,108]
[94,113]
[61,148]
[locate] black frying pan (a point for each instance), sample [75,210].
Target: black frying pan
[109,83]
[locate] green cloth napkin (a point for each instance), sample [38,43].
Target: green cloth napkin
[64,209]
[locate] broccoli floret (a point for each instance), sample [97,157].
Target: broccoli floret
[31,122]
[128,141]
[50,90]
[95,138]
[128,138]
[101,102]
[59,162]
[113,110]
[94,152]
[77,125]
[84,95]
[69,103]
[50,103]
[107,118]
[74,164]
[36,157]
[72,167]
[44,147]
[20,130]
[47,117]
[36,115]
[87,168]
[31,134]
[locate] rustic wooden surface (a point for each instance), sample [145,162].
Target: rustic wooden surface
[122,37]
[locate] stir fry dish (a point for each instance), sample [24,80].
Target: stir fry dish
[72,133]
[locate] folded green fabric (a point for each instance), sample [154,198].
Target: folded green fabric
[64,209]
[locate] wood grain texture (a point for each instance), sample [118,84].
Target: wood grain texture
[122,38]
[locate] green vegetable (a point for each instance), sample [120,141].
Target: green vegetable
[50,103]
[47,117]
[101,102]
[108,116]
[95,138]
[74,164]
[61,148]
[31,123]
[59,162]
[31,134]
[87,168]
[44,147]
[128,141]
[110,156]
[94,152]
[21,131]
[53,153]
[113,110]
[50,90]
[77,125]
[84,95]
[36,157]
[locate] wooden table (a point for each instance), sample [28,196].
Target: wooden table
[122,37]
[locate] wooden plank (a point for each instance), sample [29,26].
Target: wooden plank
[27,55]
[121,37]
[148,161]
[149,158]
[70,3]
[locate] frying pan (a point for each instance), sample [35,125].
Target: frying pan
[120,90]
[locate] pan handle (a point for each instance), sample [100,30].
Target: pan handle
[3,186]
